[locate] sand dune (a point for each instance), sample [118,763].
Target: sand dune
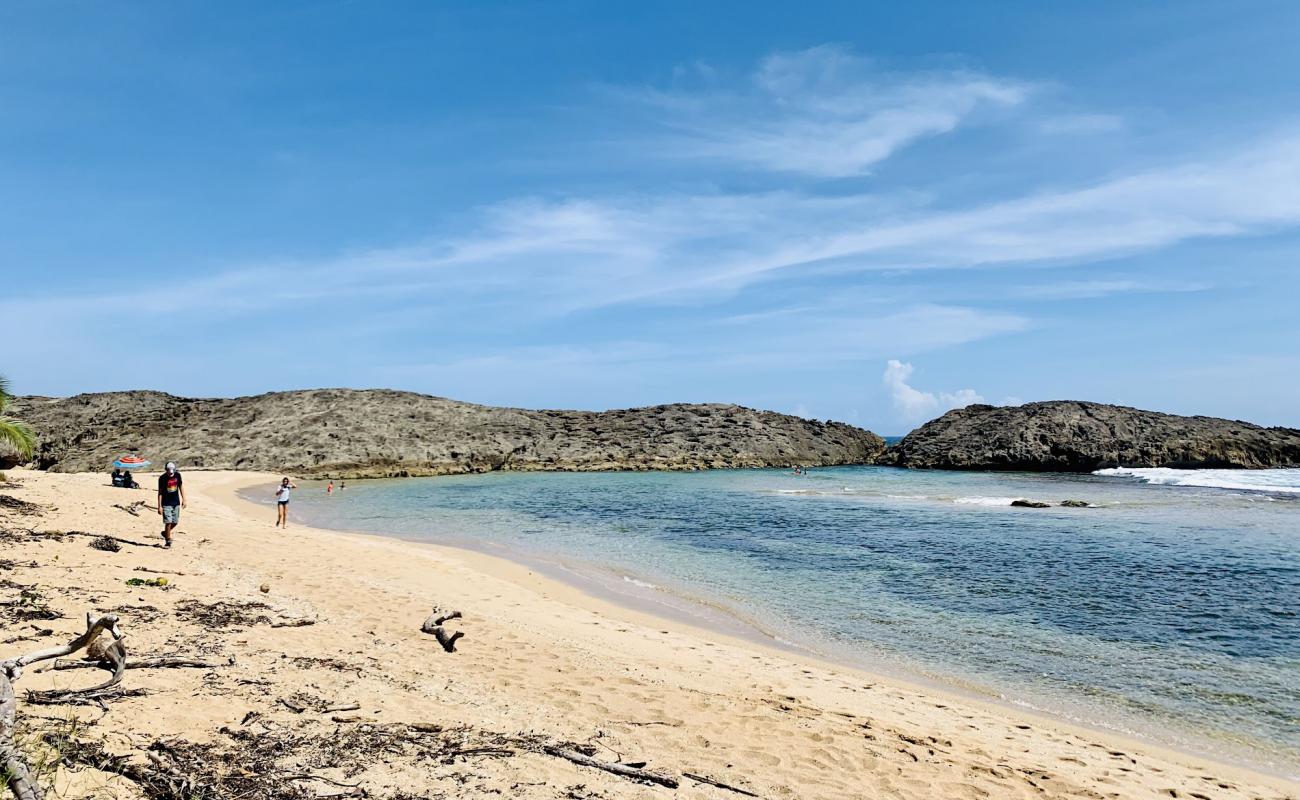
[540,664]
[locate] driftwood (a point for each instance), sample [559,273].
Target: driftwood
[293,623]
[719,784]
[15,768]
[635,773]
[103,537]
[160,662]
[133,509]
[434,624]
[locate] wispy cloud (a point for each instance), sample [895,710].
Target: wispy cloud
[823,112]
[1104,287]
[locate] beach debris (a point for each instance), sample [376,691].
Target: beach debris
[105,543]
[9,503]
[156,662]
[264,588]
[617,768]
[11,670]
[157,571]
[133,509]
[223,614]
[301,622]
[434,625]
[100,537]
[159,582]
[1074,503]
[1029,504]
[718,784]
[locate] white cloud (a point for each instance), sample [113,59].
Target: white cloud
[914,404]
[824,113]
[1090,289]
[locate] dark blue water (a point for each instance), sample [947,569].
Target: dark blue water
[1164,611]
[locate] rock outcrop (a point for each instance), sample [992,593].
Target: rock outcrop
[381,433]
[1073,436]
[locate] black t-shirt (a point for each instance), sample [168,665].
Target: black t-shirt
[169,486]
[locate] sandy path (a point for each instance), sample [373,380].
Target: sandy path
[539,660]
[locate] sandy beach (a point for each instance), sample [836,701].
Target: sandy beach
[361,699]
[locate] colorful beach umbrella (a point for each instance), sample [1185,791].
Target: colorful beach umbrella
[131,462]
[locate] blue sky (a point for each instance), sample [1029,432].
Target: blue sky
[865,212]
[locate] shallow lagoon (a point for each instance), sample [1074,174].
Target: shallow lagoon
[1166,611]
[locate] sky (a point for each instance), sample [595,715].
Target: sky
[869,212]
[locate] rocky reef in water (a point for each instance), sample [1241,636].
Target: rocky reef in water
[1076,436]
[382,433]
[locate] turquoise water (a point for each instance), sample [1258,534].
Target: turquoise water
[1166,611]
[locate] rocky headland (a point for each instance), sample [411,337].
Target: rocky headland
[382,433]
[1075,436]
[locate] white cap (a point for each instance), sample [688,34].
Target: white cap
[171,465]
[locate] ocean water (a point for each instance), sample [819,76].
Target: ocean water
[1167,609]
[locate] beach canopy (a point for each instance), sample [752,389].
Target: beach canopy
[131,462]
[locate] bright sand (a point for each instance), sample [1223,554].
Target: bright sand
[537,657]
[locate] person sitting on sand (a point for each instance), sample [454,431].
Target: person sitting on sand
[282,503]
[128,480]
[117,478]
[171,499]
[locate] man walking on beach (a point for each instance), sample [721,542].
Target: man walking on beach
[171,499]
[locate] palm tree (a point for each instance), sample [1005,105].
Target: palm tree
[17,435]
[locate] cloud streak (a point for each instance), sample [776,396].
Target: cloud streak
[823,113]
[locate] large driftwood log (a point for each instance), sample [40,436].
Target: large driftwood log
[635,773]
[15,766]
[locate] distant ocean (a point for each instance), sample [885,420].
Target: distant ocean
[1168,609]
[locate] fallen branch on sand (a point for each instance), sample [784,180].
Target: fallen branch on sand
[719,784]
[17,774]
[434,625]
[624,770]
[102,537]
[160,662]
[133,509]
[293,623]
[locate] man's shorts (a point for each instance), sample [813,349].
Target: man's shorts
[171,514]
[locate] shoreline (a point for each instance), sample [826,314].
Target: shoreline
[545,657]
[598,582]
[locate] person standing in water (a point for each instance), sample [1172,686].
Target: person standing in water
[171,499]
[330,488]
[282,503]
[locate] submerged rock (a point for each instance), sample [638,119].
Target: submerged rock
[1074,504]
[381,433]
[1030,504]
[1074,436]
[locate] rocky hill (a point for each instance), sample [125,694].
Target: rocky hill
[1073,436]
[380,433]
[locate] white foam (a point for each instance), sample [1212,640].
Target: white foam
[642,584]
[1285,481]
[985,501]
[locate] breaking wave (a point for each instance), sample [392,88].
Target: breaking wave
[1285,481]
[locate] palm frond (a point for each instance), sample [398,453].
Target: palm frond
[18,436]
